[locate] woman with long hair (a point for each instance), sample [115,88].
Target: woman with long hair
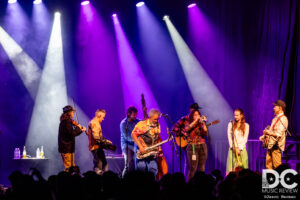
[196,131]
[237,132]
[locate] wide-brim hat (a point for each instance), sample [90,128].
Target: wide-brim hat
[195,106]
[68,108]
[280,103]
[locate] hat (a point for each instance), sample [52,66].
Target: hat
[195,106]
[280,103]
[68,108]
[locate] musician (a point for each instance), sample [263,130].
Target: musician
[277,131]
[239,132]
[68,130]
[127,144]
[95,136]
[147,133]
[196,130]
[177,130]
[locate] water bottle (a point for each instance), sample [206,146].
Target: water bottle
[24,153]
[38,153]
[42,153]
[16,153]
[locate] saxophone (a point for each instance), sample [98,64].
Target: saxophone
[151,151]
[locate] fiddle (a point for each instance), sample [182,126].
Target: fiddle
[75,123]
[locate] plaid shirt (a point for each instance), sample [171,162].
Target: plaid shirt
[195,134]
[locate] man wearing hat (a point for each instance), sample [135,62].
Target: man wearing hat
[68,130]
[277,131]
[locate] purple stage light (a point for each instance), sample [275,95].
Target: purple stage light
[83,3]
[114,15]
[139,4]
[192,5]
[12,1]
[37,1]
[95,41]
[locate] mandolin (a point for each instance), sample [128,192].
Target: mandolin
[269,140]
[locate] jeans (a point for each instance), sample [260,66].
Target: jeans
[147,164]
[100,163]
[129,161]
[198,164]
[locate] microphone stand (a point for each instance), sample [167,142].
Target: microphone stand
[233,145]
[127,150]
[173,143]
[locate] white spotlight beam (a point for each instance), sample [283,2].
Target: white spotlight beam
[27,69]
[202,88]
[51,97]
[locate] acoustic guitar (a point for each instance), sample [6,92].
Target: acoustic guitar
[181,140]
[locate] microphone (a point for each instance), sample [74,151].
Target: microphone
[163,115]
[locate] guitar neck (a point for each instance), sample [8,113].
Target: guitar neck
[213,123]
[209,124]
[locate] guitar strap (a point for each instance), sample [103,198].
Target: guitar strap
[278,118]
[193,145]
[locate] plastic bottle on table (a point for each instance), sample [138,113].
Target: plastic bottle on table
[42,155]
[38,153]
[24,153]
[16,153]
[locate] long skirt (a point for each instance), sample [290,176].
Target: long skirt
[231,160]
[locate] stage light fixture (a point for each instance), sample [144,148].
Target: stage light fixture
[12,1]
[37,1]
[139,4]
[114,15]
[83,3]
[57,14]
[166,17]
[192,5]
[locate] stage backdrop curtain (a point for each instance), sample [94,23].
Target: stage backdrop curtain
[252,55]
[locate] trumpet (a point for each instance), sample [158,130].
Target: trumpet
[203,118]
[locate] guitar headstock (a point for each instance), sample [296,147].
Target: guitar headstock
[143,100]
[144,107]
[215,122]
